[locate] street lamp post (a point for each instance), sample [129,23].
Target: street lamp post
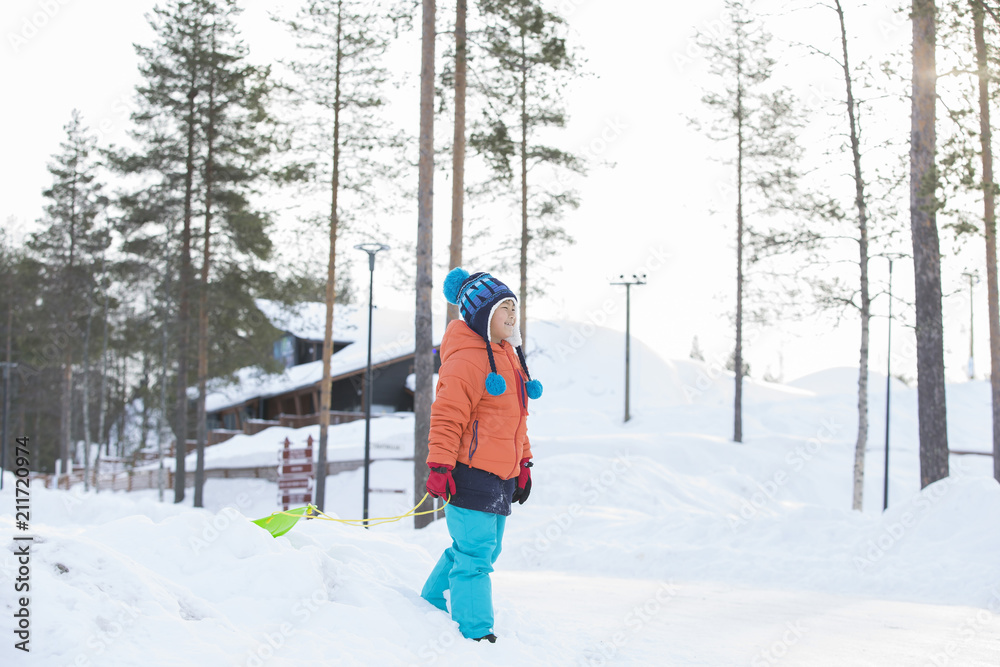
[372,249]
[628,282]
[888,379]
[973,278]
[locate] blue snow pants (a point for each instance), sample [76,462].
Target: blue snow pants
[465,568]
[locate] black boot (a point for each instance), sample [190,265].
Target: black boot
[491,638]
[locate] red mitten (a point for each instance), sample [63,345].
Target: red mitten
[523,482]
[440,483]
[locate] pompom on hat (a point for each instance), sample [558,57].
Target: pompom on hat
[477,296]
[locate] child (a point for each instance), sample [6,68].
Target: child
[478,449]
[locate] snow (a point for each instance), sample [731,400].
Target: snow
[655,542]
[308,320]
[391,437]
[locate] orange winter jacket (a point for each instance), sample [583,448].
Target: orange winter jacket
[468,425]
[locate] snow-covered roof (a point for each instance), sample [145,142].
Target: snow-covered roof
[392,338]
[308,320]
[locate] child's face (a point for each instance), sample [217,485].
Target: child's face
[503,321]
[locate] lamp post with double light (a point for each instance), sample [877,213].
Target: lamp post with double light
[628,283]
[372,249]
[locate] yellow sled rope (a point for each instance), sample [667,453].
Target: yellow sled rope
[280,523]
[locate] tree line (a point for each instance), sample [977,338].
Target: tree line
[140,286]
[782,220]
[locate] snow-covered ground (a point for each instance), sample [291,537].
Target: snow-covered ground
[656,542]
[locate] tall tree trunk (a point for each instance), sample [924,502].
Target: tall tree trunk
[162,428]
[183,308]
[69,314]
[738,351]
[123,401]
[5,432]
[86,396]
[458,149]
[932,414]
[861,204]
[331,274]
[144,392]
[990,223]
[102,399]
[66,413]
[423,332]
[202,416]
[523,292]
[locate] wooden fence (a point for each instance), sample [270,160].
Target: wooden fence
[140,480]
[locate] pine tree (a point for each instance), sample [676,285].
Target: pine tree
[167,134]
[758,118]
[862,226]
[203,135]
[423,332]
[458,146]
[8,282]
[68,249]
[34,345]
[989,187]
[967,156]
[341,82]
[239,136]
[147,268]
[23,373]
[926,249]
[525,68]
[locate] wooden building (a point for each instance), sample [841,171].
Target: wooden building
[292,398]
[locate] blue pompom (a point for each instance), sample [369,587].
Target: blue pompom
[452,282]
[495,384]
[534,389]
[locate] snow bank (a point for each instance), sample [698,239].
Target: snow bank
[659,541]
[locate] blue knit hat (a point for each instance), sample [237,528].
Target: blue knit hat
[477,297]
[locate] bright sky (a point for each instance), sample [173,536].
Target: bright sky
[654,201]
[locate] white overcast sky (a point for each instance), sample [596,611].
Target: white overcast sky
[653,201]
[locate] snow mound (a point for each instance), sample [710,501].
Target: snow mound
[654,541]
[844,380]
